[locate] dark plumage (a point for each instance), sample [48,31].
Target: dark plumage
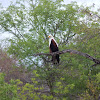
[53,46]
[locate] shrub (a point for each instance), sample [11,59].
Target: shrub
[8,91]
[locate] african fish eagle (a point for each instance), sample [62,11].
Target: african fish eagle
[53,46]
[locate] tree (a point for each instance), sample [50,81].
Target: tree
[73,27]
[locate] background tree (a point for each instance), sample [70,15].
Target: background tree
[73,27]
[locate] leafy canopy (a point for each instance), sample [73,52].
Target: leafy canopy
[74,27]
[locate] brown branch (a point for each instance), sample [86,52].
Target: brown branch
[70,51]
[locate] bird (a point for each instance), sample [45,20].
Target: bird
[53,46]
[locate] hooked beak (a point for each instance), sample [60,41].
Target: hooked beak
[49,36]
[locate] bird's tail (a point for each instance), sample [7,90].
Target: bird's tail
[57,57]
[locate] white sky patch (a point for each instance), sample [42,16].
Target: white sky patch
[5,35]
[96,3]
[6,3]
[87,2]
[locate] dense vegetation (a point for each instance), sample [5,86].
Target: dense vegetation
[35,77]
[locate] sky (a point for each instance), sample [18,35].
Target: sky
[85,2]
[96,3]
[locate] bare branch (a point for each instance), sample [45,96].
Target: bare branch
[70,51]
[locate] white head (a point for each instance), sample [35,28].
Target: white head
[50,38]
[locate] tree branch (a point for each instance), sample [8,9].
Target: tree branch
[70,51]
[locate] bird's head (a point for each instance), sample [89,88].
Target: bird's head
[50,37]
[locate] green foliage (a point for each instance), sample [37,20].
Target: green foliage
[8,91]
[73,27]
[93,89]
[32,90]
[98,77]
[61,89]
